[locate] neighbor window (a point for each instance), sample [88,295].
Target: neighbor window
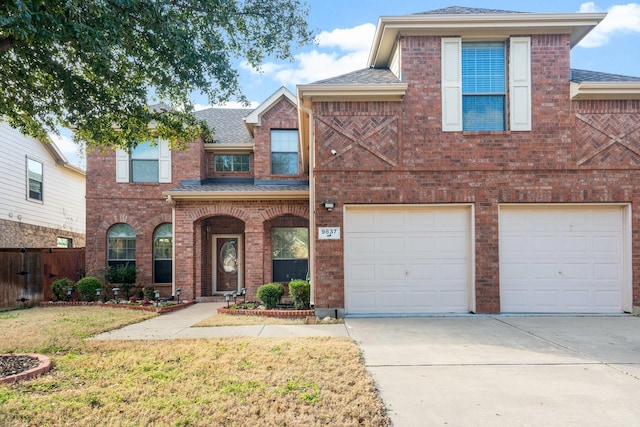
[163,254]
[64,242]
[121,245]
[232,163]
[284,152]
[290,253]
[483,86]
[34,180]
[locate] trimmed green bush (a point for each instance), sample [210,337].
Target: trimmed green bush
[87,288]
[123,276]
[60,286]
[270,294]
[300,291]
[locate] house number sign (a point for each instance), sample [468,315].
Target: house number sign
[329,233]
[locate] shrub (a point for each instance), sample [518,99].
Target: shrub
[87,288]
[148,293]
[300,291]
[124,276]
[270,294]
[60,286]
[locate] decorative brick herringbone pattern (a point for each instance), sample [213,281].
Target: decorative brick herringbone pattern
[607,139]
[354,136]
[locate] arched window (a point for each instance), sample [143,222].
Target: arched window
[163,253]
[121,245]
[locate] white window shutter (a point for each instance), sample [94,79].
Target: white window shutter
[451,84]
[520,83]
[122,166]
[164,161]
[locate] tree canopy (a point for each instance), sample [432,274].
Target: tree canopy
[91,65]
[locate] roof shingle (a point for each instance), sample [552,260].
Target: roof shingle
[579,76]
[227,124]
[363,76]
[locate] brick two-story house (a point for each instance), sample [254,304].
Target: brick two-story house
[473,171]
[468,168]
[219,216]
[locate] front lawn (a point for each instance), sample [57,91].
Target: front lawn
[203,382]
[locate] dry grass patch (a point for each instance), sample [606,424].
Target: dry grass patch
[59,329]
[245,320]
[212,382]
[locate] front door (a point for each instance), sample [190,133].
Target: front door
[227,273]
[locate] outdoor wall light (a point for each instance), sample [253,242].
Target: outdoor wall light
[115,293]
[334,152]
[328,205]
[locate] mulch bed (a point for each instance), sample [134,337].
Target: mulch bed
[16,367]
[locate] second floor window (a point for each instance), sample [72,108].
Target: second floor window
[483,86]
[232,163]
[145,163]
[34,180]
[284,152]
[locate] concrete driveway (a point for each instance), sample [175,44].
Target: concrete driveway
[505,371]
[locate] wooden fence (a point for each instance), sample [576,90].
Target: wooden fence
[26,275]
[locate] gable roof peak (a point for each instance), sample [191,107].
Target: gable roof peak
[461,10]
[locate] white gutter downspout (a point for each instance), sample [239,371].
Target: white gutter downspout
[312,210]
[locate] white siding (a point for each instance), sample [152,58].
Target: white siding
[63,205]
[394,63]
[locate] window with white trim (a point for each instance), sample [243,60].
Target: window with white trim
[147,162]
[290,253]
[284,151]
[231,163]
[163,253]
[476,91]
[35,180]
[121,245]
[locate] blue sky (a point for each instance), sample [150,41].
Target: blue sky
[345,31]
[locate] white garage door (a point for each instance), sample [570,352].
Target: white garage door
[562,259]
[407,260]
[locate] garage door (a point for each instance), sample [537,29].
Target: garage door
[407,260]
[562,259]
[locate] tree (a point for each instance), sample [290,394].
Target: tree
[90,65]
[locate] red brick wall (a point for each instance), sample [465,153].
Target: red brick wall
[283,115]
[396,153]
[140,205]
[254,218]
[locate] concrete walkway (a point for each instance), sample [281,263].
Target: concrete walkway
[178,324]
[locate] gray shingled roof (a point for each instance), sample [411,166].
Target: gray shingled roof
[227,124]
[239,188]
[364,76]
[459,10]
[579,76]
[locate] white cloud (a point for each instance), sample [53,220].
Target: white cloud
[338,52]
[620,19]
[348,39]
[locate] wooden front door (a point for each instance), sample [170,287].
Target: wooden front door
[227,263]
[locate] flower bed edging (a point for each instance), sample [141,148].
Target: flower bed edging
[44,366]
[282,314]
[153,308]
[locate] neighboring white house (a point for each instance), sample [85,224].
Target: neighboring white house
[42,196]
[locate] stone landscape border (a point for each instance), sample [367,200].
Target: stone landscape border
[281,314]
[44,366]
[152,307]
